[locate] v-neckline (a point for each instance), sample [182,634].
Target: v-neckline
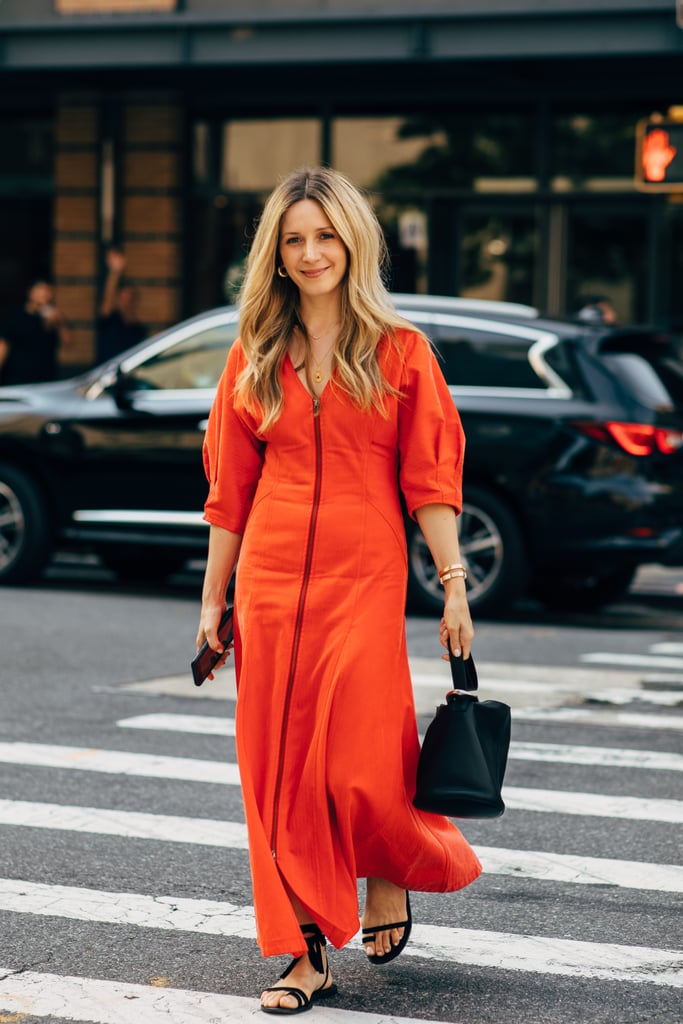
[311,394]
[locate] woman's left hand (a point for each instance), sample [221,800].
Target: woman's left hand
[456,622]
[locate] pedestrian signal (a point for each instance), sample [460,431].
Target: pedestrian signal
[659,156]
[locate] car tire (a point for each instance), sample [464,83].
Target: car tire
[139,565]
[25,536]
[572,592]
[492,548]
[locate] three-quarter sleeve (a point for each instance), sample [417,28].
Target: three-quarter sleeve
[233,453]
[430,435]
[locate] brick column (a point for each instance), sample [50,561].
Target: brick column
[76,227]
[151,195]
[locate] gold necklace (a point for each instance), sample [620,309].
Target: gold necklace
[318,372]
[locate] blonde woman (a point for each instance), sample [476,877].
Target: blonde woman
[330,411]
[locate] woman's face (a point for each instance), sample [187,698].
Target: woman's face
[311,251]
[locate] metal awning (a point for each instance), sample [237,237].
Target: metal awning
[467,31]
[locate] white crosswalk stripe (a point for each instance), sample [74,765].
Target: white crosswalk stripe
[192,770]
[28,994]
[601,717]
[233,835]
[502,950]
[208,725]
[117,762]
[95,1001]
[653,661]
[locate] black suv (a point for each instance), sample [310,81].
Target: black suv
[573,470]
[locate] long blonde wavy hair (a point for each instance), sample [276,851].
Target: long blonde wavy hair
[269,304]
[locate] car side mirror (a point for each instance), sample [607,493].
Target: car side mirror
[122,390]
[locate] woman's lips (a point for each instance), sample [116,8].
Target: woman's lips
[314,273]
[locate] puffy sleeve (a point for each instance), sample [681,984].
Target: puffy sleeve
[233,453]
[430,435]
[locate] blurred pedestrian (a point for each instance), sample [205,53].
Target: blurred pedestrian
[118,327]
[31,335]
[329,409]
[596,309]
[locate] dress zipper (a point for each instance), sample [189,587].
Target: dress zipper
[299,618]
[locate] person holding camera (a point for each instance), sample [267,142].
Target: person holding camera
[31,336]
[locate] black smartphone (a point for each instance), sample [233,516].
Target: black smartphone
[205,660]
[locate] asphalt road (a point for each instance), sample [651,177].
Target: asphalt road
[124,882]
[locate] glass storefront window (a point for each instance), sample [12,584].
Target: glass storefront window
[257,154]
[608,257]
[498,256]
[424,153]
[593,151]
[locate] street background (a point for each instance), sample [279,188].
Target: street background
[124,882]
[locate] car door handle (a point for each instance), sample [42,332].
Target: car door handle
[202,425]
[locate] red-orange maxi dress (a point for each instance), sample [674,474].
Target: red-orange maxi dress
[327,739]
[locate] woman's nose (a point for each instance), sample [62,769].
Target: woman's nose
[311,249]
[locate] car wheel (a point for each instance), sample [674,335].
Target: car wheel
[492,549]
[584,592]
[138,565]
[25,538]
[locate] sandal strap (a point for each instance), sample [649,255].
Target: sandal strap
[298,994]
[316,942]
[369,932]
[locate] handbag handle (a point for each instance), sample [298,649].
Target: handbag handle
[463,673]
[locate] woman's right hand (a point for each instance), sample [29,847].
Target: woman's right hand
[208,631]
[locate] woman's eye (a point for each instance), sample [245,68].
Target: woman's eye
[327,235]
[291,240]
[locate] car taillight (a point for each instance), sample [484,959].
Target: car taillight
[635,438]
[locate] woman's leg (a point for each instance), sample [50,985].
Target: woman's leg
[303,975]
[384,902]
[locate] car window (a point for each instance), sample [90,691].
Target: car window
[651,364]
[471,358]
[196,361]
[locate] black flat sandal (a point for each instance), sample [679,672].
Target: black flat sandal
[316,942]
[370,933]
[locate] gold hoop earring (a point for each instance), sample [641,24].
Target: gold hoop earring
[281,272]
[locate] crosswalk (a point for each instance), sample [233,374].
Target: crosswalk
[552,781]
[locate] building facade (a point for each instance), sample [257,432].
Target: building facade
[495,137]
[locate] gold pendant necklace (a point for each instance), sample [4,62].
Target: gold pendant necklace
[318,372]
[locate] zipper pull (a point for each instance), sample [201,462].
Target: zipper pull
[316,406]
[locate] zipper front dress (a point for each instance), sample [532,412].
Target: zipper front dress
[326,733]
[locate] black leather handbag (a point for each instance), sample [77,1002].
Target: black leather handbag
[464,753]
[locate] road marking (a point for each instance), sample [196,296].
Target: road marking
[119,762]
[539,954]
[561,867]
[613,757]
[166,828]
[233,835]
[226,773]
[643,660]
[205,725]
[112,1002]
[666,648]
[551,752]
[559,801]
[599,716]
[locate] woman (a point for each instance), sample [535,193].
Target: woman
[330,407]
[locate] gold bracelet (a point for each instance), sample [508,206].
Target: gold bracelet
[461,575]
[448,568]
